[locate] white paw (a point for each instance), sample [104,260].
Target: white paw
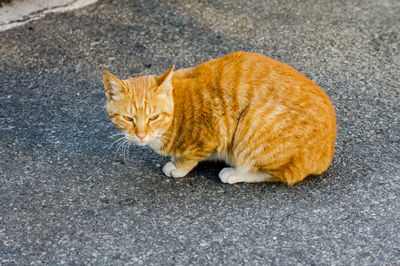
[229,175]
[178,172]
[169,169]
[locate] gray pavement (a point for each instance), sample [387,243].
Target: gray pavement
[67,195]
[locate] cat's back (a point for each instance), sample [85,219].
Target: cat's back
[248,78]
[243,81]
[251,68]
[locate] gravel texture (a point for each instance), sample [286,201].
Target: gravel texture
[68,196]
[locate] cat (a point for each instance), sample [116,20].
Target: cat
[262,117]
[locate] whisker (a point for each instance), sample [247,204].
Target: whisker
[121,147]
[118,140]
[165,137]
[157,145]
[117,134]
[121,144]
[126,149]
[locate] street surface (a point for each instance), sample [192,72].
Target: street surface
[68,196]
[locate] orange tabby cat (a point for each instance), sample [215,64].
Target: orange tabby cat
[264,118]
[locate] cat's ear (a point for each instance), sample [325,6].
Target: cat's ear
[112,85]
[164,81]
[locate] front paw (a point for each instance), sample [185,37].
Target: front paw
[168,167]
[170,170]
[229,175]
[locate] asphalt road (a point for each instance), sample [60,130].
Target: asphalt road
[68,196]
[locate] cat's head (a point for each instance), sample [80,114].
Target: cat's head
[142,107]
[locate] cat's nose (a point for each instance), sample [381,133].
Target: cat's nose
[141,135]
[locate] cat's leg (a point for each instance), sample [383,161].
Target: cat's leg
[232,175]
[179,167]
[170,170]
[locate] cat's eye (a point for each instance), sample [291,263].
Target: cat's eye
[154,117]
[128,118]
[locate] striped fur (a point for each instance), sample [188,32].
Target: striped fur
[264,118]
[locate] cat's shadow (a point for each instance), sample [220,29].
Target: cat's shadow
[209,170]
[205,169]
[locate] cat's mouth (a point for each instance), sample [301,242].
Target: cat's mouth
[140,142]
